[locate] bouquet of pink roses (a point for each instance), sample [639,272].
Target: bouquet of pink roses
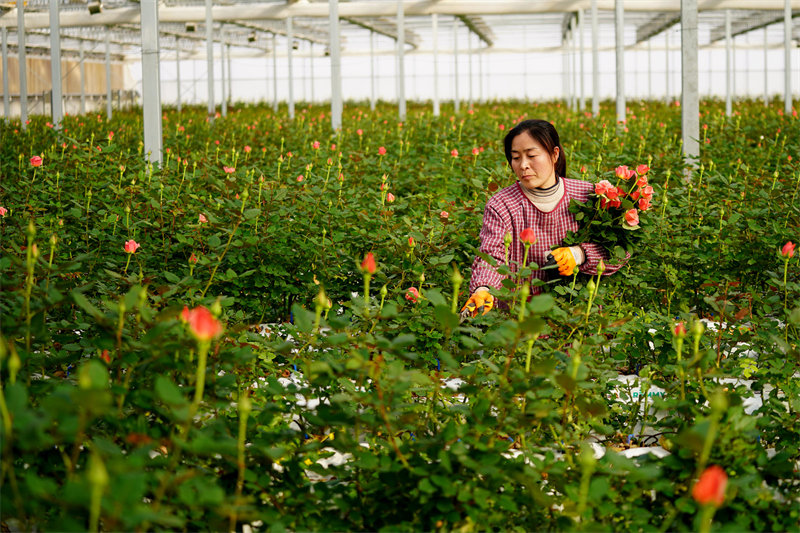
[613,215]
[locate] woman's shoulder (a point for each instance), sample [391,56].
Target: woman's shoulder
[578,188]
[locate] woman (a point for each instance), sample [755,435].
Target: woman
[539,201]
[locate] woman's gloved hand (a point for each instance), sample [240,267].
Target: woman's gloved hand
[480,302]
[566,260]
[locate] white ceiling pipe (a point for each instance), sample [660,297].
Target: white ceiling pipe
[272,11]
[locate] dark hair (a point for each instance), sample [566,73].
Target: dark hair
[546,135]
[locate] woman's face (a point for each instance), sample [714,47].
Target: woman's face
[534,167]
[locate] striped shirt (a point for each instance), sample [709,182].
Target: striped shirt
[511,211]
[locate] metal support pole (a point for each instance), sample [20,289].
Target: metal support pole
[728,65]
[595,62]
[310,64]
[619,29]
[456,100]
[336,66]
[766,81]
[480,77]
[6,96]
[223,85]
[274,74]
[108,73]
[571,65]
[82,68]
[372,70]
[690,100]
[151,84]
[582,69]
[401,74]
[787,57]
[178,72]
[666,67]
[574,42]
[469,70]
[435,30]
[649,69]
[57,99]
[289,46]
[23,70]
[230,74]
[210,60]
[565,71]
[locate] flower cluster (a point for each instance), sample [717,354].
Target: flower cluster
[612,213]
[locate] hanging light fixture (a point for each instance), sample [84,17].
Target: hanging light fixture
[95,8]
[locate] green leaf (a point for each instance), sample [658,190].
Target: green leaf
[82,302]
[445,316]
[168,392]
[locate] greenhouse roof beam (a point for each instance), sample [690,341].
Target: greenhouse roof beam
[477,26]
[275,11]
[659,23]
[384,27]
[747,22]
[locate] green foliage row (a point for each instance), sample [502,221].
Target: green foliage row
[100,426]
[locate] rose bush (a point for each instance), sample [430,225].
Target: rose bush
[311,389]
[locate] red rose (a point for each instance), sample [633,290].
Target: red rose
[202,323]
[788,249]
[368,264]
[528,236]
[710,487]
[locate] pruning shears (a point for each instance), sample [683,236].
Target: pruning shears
[469,312]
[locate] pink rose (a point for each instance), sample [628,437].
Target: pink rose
[3,211]
[131,246]
[390,197]
[412,295]
[622,172]
[632,217]
[644,204]
[36,161]
[229,170]
[315,145]
[602,187]
[788,249]
[444,214]
[454,152]
[202,218]
[381,151]
[642,169]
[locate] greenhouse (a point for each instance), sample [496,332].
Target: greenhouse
[400,265]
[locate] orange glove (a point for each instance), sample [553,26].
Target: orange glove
[480,300]
[566,261]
